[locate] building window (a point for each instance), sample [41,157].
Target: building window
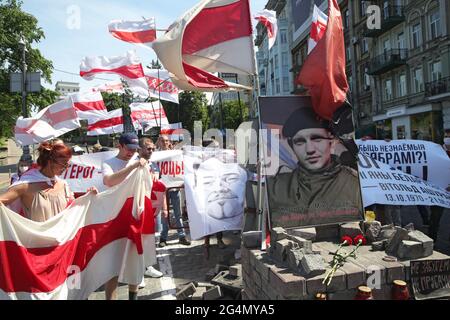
[276,61]
[278,89]
[418,80]
[416,38]
[401,86]
[346,19]
[366,79]
[435,24]
[363,8]
[401,43]
[350,83]
[284,60]
[348,53]
[283,36]
[285,83]
[436,70]
[387,90]
[364,46]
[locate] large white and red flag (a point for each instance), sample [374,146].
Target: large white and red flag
[173,130]
[269,19]
[74,253]
[318,28]
[113,123]
[323,71]
[147,115]
[110,87]
[214,36]
[51,122]
[129,67]
[141,32]
[161,86]
[89,105]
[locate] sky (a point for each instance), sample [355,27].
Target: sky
[77,28]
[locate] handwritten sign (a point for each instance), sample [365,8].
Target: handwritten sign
[430,279]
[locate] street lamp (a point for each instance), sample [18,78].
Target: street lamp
[22,45]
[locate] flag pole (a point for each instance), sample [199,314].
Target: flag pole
[262,214]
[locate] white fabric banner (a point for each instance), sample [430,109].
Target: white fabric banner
[85,171]
[171,167]
[423,159]
[72,254]
[385,185]
[214,193]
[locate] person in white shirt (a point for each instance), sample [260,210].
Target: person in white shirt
[115,170]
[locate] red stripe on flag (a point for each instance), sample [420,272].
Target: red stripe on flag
[61,116]
[90,105]
[135,37]
[267,24]
[44,269]
[133,71]
[202,79]
[105,123]
[147,114]
[217,25]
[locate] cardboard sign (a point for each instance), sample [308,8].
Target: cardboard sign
[430,279]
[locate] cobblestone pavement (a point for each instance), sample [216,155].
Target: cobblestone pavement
[181,265]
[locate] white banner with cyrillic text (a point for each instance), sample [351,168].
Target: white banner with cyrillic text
[423,159]
[383,184]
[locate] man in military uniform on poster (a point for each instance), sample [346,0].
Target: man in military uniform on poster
[321,190]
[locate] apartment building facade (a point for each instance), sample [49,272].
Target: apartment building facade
[274,65]
[399,74]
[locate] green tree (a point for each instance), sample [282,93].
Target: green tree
[14,25]
[193,107]
[232,113]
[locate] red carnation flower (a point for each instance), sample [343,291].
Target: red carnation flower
[346,240]
[359,238]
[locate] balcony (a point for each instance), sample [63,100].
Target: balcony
[437,87]
[390,17]
[389,60]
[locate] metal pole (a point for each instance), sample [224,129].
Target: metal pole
[239,99]
[159,98]
[127,122]
[221,111]
[26,149]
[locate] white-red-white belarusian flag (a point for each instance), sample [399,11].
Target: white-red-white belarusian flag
[161,86]
[148,115]
[318,28]
[141,32]
[214,36]
[51,122]
[129,67]
[110,87]
[74,253]
[173,130]
[113,123]
[89,105]
[269,19]
[323,72]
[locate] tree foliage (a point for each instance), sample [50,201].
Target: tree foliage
[193,107]
[14,25]
[234,113]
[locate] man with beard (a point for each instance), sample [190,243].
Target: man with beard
[320,190]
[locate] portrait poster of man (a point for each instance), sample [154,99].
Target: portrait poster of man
[317,181]
[214,187]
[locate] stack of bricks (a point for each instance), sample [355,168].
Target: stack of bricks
[266,279]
